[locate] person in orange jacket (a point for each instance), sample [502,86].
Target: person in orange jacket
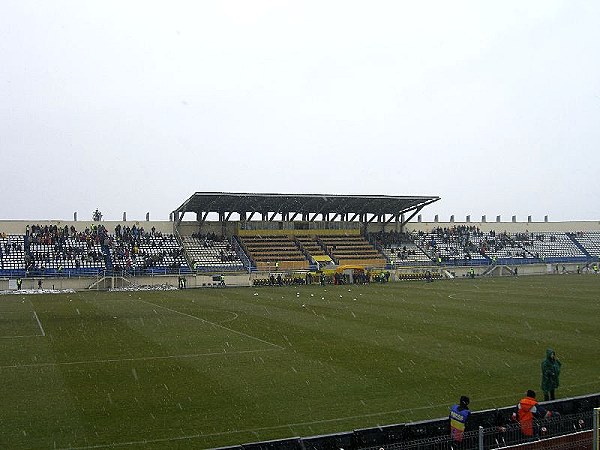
[526,411]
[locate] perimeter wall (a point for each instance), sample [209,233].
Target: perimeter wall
[231,228]
[247,279]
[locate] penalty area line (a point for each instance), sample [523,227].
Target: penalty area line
[21,336]
[142,358]
[39,323]
[29,335]
[214,324]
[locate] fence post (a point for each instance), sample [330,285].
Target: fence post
[480,437]
[596,437]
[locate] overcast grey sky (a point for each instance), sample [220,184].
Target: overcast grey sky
[133,106]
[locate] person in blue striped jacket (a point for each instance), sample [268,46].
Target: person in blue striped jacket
[459,415]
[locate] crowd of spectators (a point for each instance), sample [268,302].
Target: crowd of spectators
[493,242]
[395,243]
[528,239]
[450,243]
[51,246]
[10,246]
[209,249]
[54,235]
[465,241]
[209,239]
[133,248]
[403,253]
[388,239]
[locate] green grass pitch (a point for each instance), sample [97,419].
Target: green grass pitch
[215,367]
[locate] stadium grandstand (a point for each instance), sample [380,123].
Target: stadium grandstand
[247,236]
[243,239]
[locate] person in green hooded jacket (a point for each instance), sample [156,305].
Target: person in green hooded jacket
[550,374]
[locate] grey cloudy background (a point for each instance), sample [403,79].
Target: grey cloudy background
[133,106]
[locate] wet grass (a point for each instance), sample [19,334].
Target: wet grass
[215,367]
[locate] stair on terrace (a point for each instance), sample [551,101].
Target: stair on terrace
[587,241]
[551,246]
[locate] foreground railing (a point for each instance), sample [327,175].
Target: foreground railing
[510,434]
[492,429]
[596,430]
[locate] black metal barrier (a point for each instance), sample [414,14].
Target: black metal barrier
[394,436]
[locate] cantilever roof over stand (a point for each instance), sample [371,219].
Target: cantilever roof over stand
[306,207]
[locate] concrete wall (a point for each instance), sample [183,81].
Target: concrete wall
[218,228]
[511,227]
[463,271]
[50,283]
[245,279]
[231,228]
[18,226]
[82,284]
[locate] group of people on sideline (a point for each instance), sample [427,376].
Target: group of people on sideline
[525,412]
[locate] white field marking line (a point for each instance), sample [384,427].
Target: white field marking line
[26,335]
[290,425]
[39,323]
[215,324]
[21,336]
[141,358]
[235,316]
